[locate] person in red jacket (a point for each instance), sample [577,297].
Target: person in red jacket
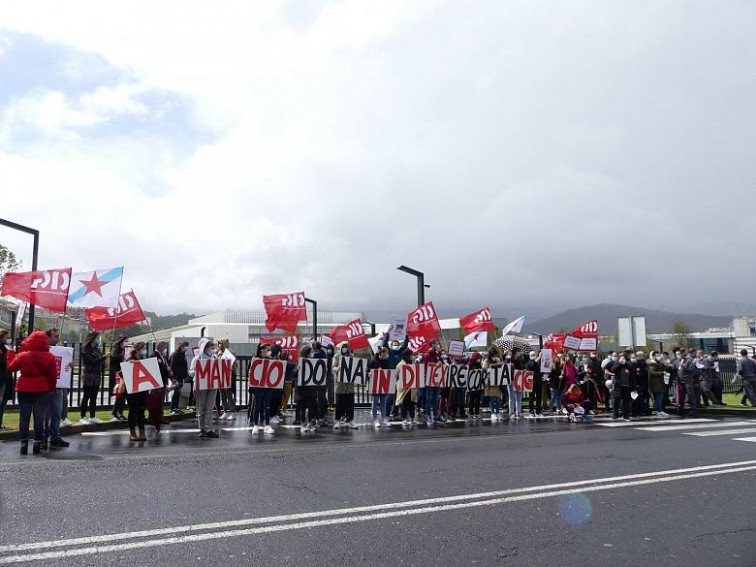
[574,402]
[38,377]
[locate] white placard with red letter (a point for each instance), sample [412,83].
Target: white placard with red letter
[312,372]
[435,375]
[523,380]
[64,364]
[352,370]
[499,375]
[141,375]
[410,376]
[457,376]
[267,373]
[456,348]
[210,374]
[382,381]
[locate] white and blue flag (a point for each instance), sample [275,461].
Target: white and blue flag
[96,288]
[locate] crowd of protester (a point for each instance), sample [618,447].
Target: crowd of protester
[627,385]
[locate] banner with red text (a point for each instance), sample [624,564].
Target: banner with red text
[44,288]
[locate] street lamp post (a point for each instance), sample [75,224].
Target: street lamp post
[35,256]
[420,282]
[314,317]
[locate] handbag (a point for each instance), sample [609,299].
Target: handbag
[120,388]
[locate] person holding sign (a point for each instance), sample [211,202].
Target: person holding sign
[380,360]
[137,400]
[91,377]
[6,379]
[205,399]
[344,391]
[116,358]
[228,395]
[307,401]
[493,393]
[39,375]
[262,401]
[406,398]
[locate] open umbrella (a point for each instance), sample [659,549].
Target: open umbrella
[511,342]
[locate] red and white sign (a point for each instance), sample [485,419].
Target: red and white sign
[523,380]
[312,372]
[128,312]
[410,376]
[351,332]
[423,321]
[210,374]
[435,375]
[141,375]
[289,343]
[285,311]
[478,321]
[63,364]
[45,288]
[267,373]
[382,381]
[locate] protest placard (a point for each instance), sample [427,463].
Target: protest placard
[63,364]
[410,376]
[382,381]
[210,374]
[456,348]
[499,375]
[267,373]
[141,375]
[312,372]
[352,370]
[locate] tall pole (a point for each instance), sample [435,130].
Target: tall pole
[314,317]
[35,256]
[420,282]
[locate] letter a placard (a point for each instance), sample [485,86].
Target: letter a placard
[141,375]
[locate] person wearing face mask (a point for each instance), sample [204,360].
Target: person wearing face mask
[380,360]
[396,352]
[138,400]
[432,395]
[608,377]
[555,383]
[622,387]
[227,396]
[688,378]
[640,403]
[746,368]
[519,361]
[344,392]
[535,399]
[262,399]
[6,378]
[116,358]
[656,384]
[708,369]
[91,377]
[204,399]
[155,397]
[406,398]
[179,374]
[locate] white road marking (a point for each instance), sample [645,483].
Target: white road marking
[679,427]
[364,513]
[751,439]
[653,422]
[722,432]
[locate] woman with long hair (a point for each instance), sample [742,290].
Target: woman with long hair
[116,358]
[138,400]
[91,377]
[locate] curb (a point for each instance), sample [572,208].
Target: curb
[107,426]
[740,413]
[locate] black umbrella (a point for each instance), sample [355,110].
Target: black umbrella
[511,342]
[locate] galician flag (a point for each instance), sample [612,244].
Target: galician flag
[476,339]
[514,327]
[96,288]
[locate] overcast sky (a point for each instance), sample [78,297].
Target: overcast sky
[522,154]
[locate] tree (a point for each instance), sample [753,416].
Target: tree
[681,334]
[8,262]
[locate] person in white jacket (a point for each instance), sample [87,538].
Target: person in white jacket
[205,399]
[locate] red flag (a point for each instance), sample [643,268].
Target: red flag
[45,288]
[285,311]
[423,321]
[478,321]
[289,343]
[588,330]
[555,341]
[351,332]
[127,313]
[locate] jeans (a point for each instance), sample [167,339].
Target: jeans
[390,401]
[330,389]
[475,397]
[421,398]
[344,407]
[622,399]
[749,385]
[495,404]
[706,390]
[63,402]
[262,405]
[31,404]
[52,415]
[431,402]
[228,400]
[307,403]
[137,405]
[515,400]
[556,398]
[382,401]
[205,403]
[658,401]
[535,399]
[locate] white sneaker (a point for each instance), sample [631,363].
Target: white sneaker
[230,416]
[337,425]
[564,411]
[114,418]
[385,423]
[429,421]
[255,429]
[84,421]
[69,422]
[304,429]
[95,420]
[663,415]
[274,421]
[572,417]
[352,425]
[377,423]
[268,429]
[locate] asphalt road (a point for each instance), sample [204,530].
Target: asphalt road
[519,493]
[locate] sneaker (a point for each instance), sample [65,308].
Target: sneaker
[123,418]
[352,425]
[337,425]
[255,429]
[174,412]
[95,420]
[572,417]
[377,423]
[201,435]
[268,429]
[439,421]
[274,421]
[662,414]
[66,422]
[84,421]
[230,416]
[314,425]
[429,422]
[212,434]
[304,429]
[115,418]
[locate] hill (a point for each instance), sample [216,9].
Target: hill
[607,314]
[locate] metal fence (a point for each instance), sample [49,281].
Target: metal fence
[105,398]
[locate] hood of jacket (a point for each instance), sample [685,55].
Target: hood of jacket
[202,344]
[37,341]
